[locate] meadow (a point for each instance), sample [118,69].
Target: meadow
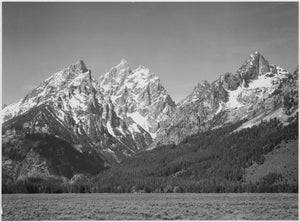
[150,206]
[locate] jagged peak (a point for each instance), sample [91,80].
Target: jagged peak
[253,58]
[123,64]
[143,70]
[254,54]
[202,83]
[114,72]
[123,70]
[78,67]
[255,65]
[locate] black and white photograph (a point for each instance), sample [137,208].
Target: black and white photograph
[149,111]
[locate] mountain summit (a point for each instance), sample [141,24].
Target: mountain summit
[78,67]
[257,91]
[256,65]
[138,95]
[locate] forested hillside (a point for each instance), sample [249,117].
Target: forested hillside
[213,161]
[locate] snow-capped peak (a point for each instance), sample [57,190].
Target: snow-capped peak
[51,89]
[67,73]
[138,94]
[122,65]
[123,62]
[122,76]
[142,72]
[255,77]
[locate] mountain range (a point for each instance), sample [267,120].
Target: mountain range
[72,124]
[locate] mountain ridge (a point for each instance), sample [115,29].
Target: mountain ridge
[127,111]
[249,91]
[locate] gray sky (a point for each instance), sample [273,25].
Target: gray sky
[183,43]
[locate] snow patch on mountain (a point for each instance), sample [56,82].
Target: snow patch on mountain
[219,109]
[262,81]
[110,129]
[134,128]
[278,114]
[233,98]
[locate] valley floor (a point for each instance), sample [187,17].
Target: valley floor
[142,206]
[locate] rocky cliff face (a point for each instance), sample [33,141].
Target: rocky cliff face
[256,65]
[137,96]
[257,91]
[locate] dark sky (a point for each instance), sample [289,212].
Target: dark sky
[183,43]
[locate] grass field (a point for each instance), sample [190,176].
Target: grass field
[149,206]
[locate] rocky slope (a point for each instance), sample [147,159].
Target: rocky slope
[137,95]
[257,91]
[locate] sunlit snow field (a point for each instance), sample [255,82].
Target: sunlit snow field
[149,206]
